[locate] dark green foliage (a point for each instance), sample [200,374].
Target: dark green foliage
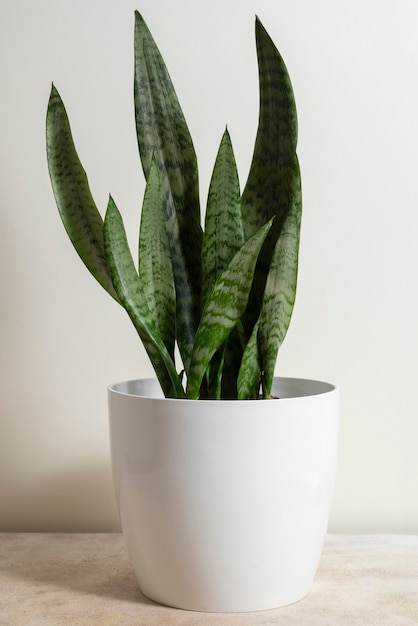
[224,296]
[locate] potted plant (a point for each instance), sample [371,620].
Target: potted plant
[223,494]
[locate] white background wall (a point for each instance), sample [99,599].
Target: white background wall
[354,67]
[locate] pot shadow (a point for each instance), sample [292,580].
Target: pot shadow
[88,564]
[64,533]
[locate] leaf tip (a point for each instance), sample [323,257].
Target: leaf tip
[111,205]
[54,91]
[54,100]
[139,20]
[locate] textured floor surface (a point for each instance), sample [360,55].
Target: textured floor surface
[86,580]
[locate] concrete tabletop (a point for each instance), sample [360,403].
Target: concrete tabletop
[51,579]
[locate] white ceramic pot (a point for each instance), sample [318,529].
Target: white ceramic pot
[224,505]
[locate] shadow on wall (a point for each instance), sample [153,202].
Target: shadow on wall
[79,499]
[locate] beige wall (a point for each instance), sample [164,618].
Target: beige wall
[354,69]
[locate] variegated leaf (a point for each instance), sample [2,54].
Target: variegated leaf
[280,291]
[214,374]
[75,203]
[155,268]
[249,376]
[224,307]
[162,132]
[266,192]
[223,234]
[131,294]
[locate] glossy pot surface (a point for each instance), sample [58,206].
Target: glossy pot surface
[224,505]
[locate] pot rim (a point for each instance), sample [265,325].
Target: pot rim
[129,388]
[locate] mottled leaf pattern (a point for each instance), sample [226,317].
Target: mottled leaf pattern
[223,234]
[224,307]
[214,374]
[273,188]
[162,131]
[229,334]
[280,292]
[223,237]
[155,267]
[249,376]
[75,203]
[266,192]
[132,296]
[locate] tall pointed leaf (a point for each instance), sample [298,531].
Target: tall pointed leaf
[223,237]
[131,295]
[162,131]
[75,203]
[270,182]
[280,291]
[266,192]
[224,307]
[223,234]
[155,267]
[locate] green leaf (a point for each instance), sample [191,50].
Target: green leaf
[214,374]
[280,291]
[266,192]
[249,376]
[155,268]
[131,294]
[162,131]
[233,356]
[223,308]
[76,206]
[223,235]
[272,184]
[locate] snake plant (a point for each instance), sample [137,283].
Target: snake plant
[224,295]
